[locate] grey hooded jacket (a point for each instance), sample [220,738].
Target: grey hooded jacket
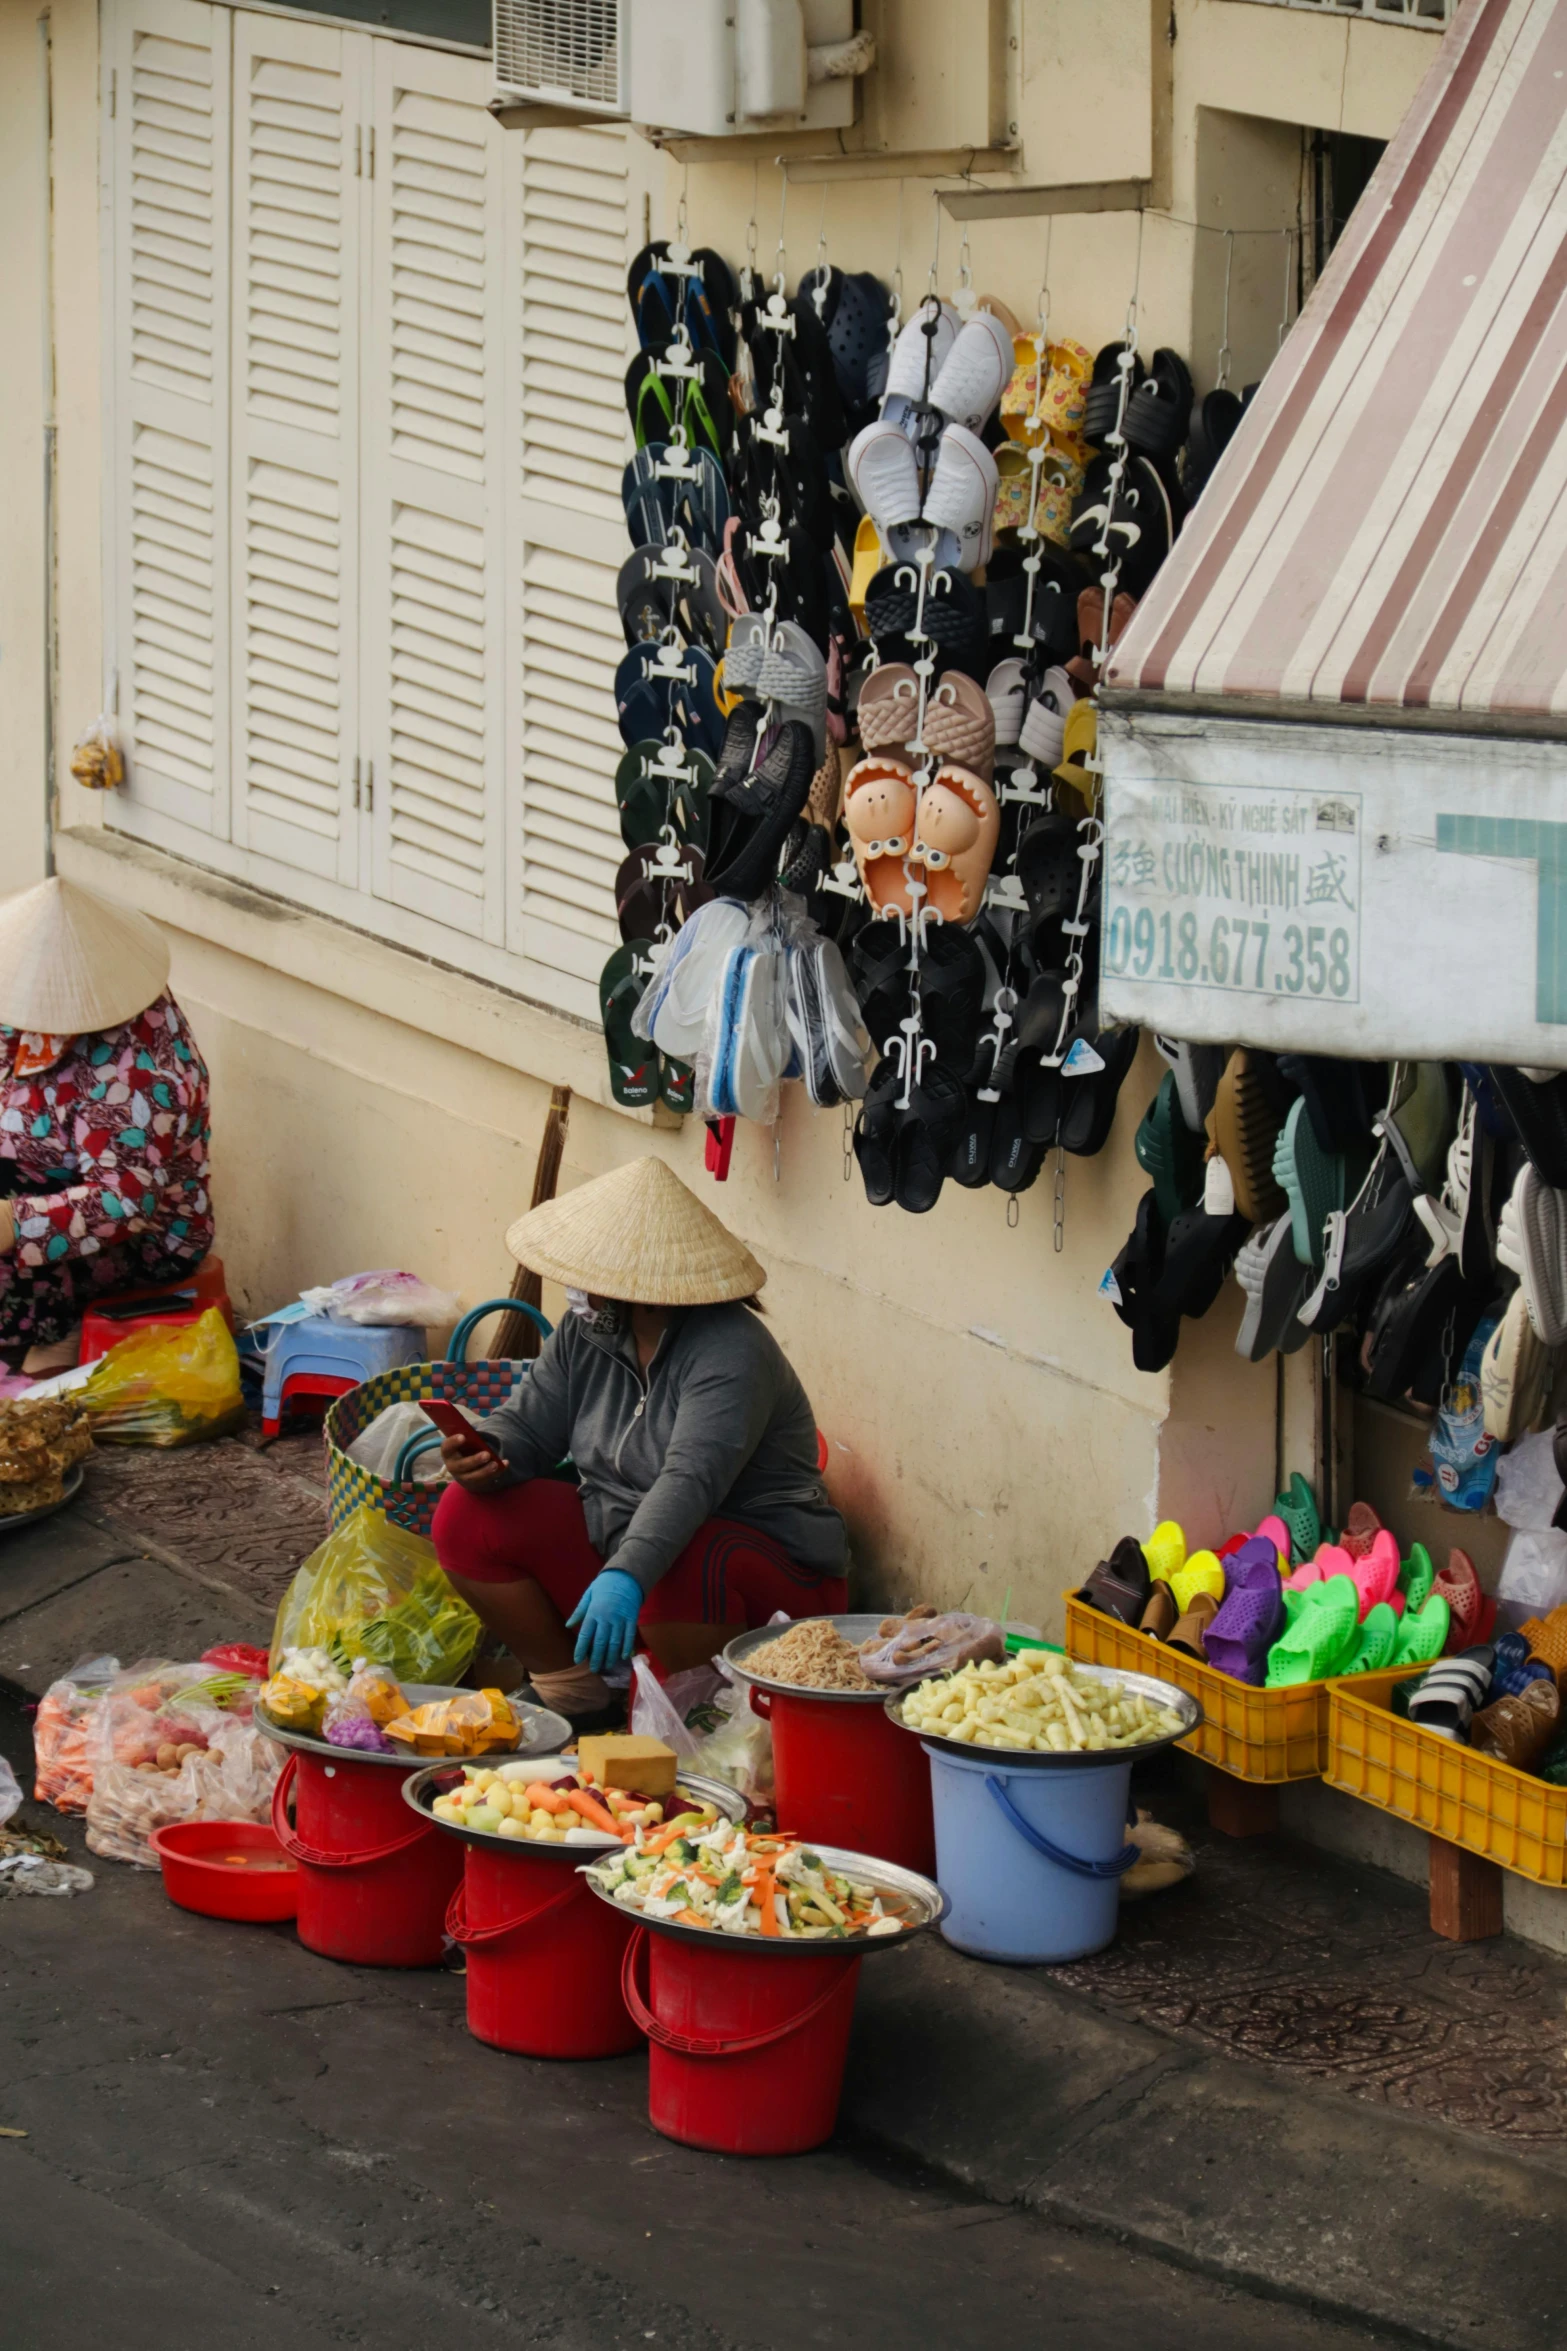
[717,1427]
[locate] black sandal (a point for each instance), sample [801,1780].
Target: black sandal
[927,1133]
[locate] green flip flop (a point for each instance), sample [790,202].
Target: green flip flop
[677,1086]
[1170,1154]
[1324,1632]
[1312,1180]
[1377,1642]
[633,1062]
[1422,1633]
[648,799]
[1416,1577]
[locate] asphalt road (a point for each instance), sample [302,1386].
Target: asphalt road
[232,2144]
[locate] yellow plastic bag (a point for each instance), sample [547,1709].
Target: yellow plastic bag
[373,1590]
[166,1385]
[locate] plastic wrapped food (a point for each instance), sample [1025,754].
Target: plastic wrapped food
[909,1649]
[705,1715]
[357,1730]
[475,1722]
[230,1778]
[62,1733]
[295,1705]
[166,1385]
[374,1591]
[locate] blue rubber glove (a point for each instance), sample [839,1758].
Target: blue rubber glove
[607,1613]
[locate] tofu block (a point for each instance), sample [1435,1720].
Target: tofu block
[619,1759]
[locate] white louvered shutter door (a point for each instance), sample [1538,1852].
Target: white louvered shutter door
[298,132]
[433,596]
[170,194]
[569,344]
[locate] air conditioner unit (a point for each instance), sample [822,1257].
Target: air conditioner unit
[697,68]
[573,54]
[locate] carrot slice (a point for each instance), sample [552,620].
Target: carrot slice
[540,1793]
[594,1814]
[763,1898]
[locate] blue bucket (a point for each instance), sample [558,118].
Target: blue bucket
[1031,1861]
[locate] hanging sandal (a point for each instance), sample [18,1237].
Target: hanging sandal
[928,1131]
[879,807]
[1095,1078]
[956,827]
[633,1064]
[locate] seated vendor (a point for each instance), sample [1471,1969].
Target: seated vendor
[103,1115]
[701,1509]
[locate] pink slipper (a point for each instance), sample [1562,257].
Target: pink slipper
[1376,1576]
[1278,1535]
[1310,1571]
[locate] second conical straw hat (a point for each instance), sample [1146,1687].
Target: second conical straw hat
[637,1234]
[72,962]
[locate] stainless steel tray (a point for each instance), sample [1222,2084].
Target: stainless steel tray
[853,1628]
[422,1788]
[1034,1759]
[917,1900]
[543,1733]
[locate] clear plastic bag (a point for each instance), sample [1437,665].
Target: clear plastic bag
[1528,1488]
[10,1792]
[231,1777]
[64,1729]
[167,1385]
[918,1646]
[374,1591]
[387,1297]
[379,1445]
[705,1716]
[95,757]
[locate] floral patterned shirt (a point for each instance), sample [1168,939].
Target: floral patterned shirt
[109,1141]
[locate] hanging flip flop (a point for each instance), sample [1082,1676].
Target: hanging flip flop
[1313,1182]
[1093,1072]
[927,1133]
[655,787]
[876,1134]
[633,1064]
[647,897]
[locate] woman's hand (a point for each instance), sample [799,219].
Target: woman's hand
[607,1613]
[479,1473]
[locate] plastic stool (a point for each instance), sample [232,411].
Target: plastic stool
[318,1349]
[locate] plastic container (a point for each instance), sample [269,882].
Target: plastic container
[1440,1785]
[544,1958]
[374,1882]
[842,1774]
[1030,1844]
[227,1869]
[1266,1735]
[746,2038]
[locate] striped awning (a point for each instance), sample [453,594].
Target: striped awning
[1387,533]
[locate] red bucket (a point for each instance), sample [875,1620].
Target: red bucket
[373,1885]
[544,1958]
[845,1775]
[746,2048]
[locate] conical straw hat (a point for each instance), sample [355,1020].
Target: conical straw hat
[71,962]
[637,1234]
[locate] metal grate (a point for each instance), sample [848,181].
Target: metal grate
[562,50]
[1428,15]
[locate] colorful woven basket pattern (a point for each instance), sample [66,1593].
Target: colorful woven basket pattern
[477,1387]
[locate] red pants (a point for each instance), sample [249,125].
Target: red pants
[727,1573]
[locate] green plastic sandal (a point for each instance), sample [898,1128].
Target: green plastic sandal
[1170,1155]
[1422,1633]
[1377,1643]
[1416,1577]
[1298,1509]
[1323,1634]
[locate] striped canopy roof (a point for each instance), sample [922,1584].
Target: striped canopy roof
[1388,530]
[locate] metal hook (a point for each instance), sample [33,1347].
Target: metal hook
[1224,334]
[819,272]
[935,258]
[780,273]
[1284,320]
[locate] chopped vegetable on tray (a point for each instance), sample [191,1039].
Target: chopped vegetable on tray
[738,1884]
[1038,1700]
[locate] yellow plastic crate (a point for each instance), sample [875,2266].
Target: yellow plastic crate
[1470,1800]
[1263,1735]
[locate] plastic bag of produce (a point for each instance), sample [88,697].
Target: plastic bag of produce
[357,1714]
[373,1590]
[167,1385]
[63,1731]
[911,1648]
[705,1715]
[229,1777]
[475,1722]
[386,1297]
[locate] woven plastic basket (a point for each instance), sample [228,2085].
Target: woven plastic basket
[477,1387]
[1268,1736]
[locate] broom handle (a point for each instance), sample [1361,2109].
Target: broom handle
[516,1338]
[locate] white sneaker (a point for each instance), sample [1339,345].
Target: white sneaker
[975,372]
[962,494]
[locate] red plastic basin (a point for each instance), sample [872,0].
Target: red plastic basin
[227,1869]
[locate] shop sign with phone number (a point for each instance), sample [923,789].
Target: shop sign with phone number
[1245,892]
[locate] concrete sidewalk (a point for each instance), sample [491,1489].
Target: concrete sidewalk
[1277,2077]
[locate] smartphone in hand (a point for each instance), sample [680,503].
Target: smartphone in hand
[453,1423]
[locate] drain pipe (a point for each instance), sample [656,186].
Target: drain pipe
[50,634]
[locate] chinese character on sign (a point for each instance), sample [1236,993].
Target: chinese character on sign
[1144,866]
[1121,865]
[1325,883]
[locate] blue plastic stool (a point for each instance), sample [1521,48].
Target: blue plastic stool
[320,1357]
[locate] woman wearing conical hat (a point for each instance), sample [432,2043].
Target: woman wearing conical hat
[103,1114]
[700,1509]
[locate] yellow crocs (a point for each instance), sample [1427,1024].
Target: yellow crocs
[1202,1573]
[868,561]
[1165,1549]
